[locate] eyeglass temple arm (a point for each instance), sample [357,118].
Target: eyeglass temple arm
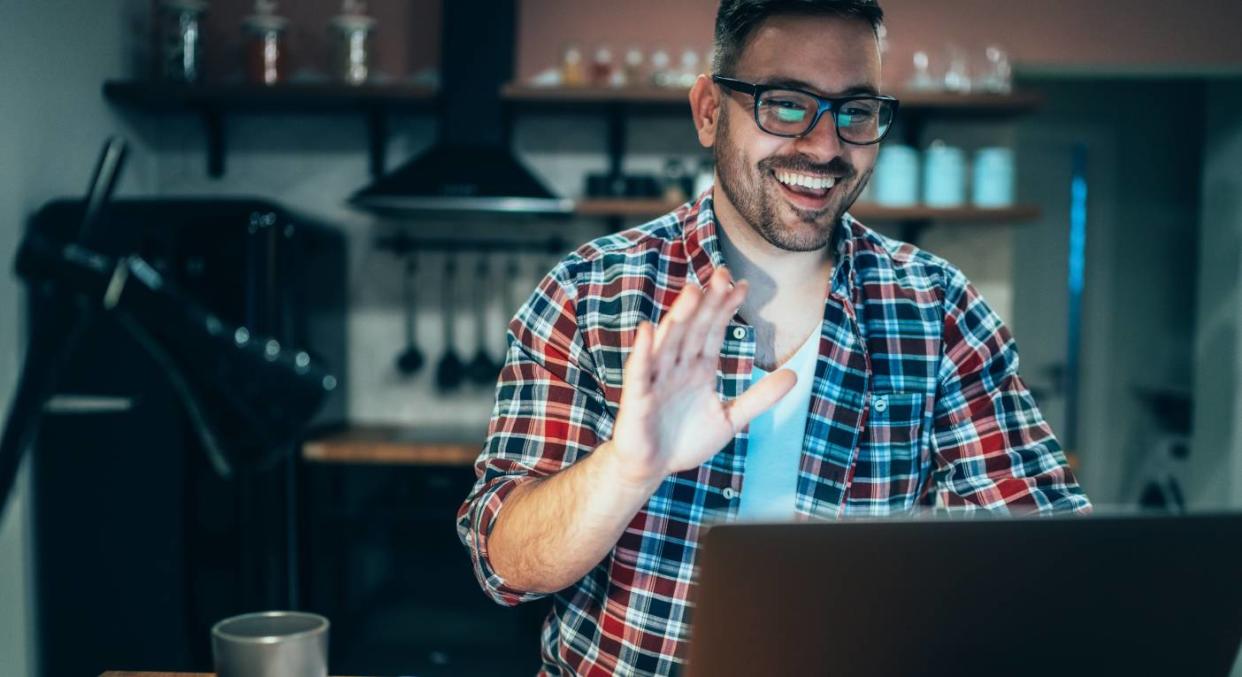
[736,85]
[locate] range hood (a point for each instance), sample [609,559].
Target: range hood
[471,168]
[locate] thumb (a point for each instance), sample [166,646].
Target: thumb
[760,397]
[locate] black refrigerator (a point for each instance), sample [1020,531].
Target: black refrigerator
[139,544]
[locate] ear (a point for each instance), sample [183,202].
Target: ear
[705,103]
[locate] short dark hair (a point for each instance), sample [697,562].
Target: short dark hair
[736,20]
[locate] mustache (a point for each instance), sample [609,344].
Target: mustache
[800,163]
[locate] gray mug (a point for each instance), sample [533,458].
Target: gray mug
[271,644]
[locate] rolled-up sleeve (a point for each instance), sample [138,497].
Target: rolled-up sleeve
[993,450]
[549,412]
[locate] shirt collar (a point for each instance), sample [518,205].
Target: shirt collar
[702,245]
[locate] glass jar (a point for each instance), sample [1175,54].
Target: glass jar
[632,66]
[573,70]
[180,35]
[352,30]
[602,67]
[265,44]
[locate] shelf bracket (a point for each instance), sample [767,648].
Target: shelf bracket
[377,141]
[912,230]
[913,125]
[213,127]
[616,140]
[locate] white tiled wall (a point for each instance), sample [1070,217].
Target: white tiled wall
[313,163]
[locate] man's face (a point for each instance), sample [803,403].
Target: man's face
[824,55]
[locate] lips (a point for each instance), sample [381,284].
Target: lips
[805,191]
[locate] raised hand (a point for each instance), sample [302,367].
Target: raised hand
[670,417]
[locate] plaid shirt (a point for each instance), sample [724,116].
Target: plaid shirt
[916,403]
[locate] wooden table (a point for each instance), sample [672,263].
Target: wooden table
[122,673]
[112,673]
[397,445]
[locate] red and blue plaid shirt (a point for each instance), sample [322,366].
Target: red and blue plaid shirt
[916,404]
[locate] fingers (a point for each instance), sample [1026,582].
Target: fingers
[637,379]
[694,328]
[720,324]
[672,330]
[710,309]
[760,397]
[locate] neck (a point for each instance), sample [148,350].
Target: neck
[771,271]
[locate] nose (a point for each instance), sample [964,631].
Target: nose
[822,143]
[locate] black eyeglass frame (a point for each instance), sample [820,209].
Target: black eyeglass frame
[824,104]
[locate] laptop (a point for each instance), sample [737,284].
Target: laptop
[1127,595]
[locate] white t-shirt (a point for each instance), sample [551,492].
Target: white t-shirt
[774,451]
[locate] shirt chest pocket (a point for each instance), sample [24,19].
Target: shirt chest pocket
[891,454]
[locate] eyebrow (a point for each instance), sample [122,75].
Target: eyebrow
[800,84]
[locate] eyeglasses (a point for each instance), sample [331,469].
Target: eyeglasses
[780,111]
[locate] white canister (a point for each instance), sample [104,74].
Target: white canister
[944,176]
[994,180]
[896,178]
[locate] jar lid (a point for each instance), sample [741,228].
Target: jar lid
[353,22]
[265,19]
[263,23]
[196,6]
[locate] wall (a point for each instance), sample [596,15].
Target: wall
[314,163]
[1142,172]
[406,41]
[52,124]
[1102,36]
[1216,473]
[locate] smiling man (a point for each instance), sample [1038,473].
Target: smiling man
[757,353]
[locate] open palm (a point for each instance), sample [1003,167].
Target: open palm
[671,418]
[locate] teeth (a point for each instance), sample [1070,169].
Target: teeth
[805,180]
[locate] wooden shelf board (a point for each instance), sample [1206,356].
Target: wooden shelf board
[1017,102]
[970,104]
[590,95]
[1016,214]
[625,207]
[395,445]
[161,96]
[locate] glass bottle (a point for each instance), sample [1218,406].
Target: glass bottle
[573,71]
[180,35]
[602,67]
[265,44]
[999,76]
[352,30]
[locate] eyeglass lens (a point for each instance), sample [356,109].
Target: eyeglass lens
[790,113]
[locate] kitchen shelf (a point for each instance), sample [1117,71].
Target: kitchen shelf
[1016,214]
[970,105]
[248,97]
[569,96]
[623,207]
[626,208]
[212,101]
[617,104]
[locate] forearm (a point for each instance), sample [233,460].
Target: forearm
[551,532]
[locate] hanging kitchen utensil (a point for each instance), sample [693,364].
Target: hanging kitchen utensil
[450,371]
[482,370]
[411,359]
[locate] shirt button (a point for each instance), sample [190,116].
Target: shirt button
[729,493]
[880,405]
[739,333]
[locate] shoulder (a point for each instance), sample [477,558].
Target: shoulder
[625,258]
[885,261]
